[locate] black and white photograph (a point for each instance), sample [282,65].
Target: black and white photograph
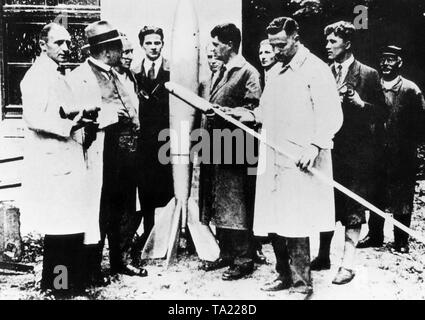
[214,150]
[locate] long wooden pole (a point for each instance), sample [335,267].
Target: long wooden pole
[203,105]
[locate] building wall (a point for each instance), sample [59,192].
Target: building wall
[131,15]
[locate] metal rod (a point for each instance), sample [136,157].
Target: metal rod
[11,159]
[192,99]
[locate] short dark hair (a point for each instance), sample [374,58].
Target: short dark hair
[228,32]
[44,33]
[146,30]
[289,25]
[343,29]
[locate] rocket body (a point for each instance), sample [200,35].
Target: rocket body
[182,212]
[184,70]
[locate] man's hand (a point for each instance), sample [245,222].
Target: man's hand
[307,158]
[80,121]
[124,116]
[226,110]
[356,100]
[241,114]
[123,112]
[77,122]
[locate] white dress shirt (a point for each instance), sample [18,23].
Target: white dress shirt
[345,66]
[147,64]
[129,87]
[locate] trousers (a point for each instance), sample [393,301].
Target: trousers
[293,259]
[236,246]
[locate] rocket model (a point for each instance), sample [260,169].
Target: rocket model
[182,212]
[184,70]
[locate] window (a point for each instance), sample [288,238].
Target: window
[21,21]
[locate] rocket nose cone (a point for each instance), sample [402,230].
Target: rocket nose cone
[185,44]
[186,12]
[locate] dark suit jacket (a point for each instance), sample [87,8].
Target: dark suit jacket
[361,136]
[359,144]
[156,182]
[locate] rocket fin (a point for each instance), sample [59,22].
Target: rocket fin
[157,243]
[174,234]
[203,238]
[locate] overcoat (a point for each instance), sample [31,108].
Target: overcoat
[86,92]
[404,130]
[61,182]
[300,106]
[226,189]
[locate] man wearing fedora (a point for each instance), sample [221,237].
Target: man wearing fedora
[403,132]
[96,83]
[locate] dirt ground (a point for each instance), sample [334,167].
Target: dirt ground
[380,274]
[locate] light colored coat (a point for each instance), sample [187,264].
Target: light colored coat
[300,106]
[86,93]
[61,184]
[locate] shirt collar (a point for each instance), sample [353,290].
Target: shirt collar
[236,62]
[147,63]
[346,64]
[100,64]
[297,60]
[392,85]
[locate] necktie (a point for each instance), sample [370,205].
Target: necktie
[151,72]
[338,74]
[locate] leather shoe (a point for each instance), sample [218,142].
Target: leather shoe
[139,263]
[369,242]
[305,291]
[276,285]
[237,272]
[215,265]
[129,270]
[343,276]
[319,263]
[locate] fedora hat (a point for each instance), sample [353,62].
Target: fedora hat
[100,32]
